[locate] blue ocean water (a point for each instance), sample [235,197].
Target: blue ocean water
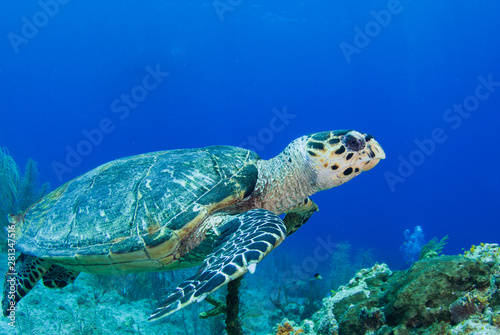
[84,83]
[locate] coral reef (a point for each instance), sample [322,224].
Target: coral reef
[350,300]
[441,295]
[422,295]
[287,329]
[438,295]
[75,310]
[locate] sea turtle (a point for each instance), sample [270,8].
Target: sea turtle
[217,207]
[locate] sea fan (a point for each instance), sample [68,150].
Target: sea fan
[433,248]
[17,193]
[462,308]
[29,189]
[9,183]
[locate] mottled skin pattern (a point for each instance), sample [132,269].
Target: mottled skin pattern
[173,209]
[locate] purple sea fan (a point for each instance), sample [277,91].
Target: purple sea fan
[462,308]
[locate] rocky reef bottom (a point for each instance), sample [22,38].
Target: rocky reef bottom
[440,295]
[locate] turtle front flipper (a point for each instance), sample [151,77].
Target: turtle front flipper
[298,215]
[243,242]
[19,280]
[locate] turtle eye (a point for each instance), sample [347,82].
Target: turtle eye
[354,143]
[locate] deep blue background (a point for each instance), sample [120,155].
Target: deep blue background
[227,75]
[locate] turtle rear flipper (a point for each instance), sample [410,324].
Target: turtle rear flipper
[243,242]
[21,279]
[59,277]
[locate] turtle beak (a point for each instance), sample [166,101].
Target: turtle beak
[375,152]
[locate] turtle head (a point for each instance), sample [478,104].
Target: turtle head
[338,156]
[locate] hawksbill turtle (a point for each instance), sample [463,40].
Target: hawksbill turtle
[218,207]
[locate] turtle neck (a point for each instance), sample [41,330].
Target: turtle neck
[285,180]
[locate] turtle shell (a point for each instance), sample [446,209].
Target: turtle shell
[135,214]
